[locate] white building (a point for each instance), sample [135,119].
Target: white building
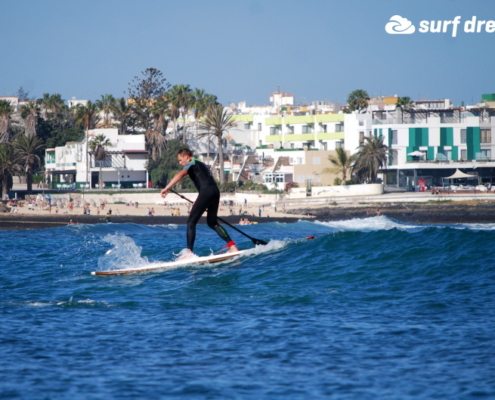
[125,166]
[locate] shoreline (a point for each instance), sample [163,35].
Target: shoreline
[473,211]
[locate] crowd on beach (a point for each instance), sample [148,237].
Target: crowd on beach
[74,204]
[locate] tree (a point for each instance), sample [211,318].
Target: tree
[200,102]
[155,137]
[404,104]
[122,113]
[358,100]
[10,165]
[173,97]
[105,104]
[60,138]
[182,98]
[144,92]
[6,111]
[55,111]
[29,148]
[166,166]
[372,155]
[30,112]
[23,95]
[342,163]
[216,122]
[98,145]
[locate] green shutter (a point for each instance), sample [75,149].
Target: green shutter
[446,137]
[473,142]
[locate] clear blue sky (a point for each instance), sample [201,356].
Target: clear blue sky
[244,50]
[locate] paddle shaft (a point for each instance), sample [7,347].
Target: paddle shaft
[254,240]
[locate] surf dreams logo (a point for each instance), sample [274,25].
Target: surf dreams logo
[402,26]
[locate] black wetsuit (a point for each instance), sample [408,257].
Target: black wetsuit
[208,199]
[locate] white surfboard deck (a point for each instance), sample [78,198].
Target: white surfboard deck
[180,263]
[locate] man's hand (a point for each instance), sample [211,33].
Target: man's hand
[164,192]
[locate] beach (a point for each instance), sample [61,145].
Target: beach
[407,208]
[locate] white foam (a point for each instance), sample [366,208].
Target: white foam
[124,254]
[378,223]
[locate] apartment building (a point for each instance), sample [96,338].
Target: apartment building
[71,166]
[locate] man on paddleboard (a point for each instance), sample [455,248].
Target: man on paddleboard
[208,199]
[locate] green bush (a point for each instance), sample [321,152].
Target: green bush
[228,187]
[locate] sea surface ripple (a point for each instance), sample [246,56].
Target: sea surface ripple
[370,309]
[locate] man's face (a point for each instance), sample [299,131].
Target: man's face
[183,159]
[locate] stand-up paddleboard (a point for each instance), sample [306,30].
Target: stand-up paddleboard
[170,264]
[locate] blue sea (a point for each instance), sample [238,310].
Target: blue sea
[370,309]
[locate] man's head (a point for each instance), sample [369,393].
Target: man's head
[184,156]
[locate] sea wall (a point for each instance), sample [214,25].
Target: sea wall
[237,198]
[372,189]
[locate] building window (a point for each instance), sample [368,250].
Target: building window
[339,127]
[487,154]
[307,129]
[272,178]
[463,136]
[247,125]
[485,135]
[464,153]
[395,139]
[361,137]
[290,129]
[274,130]
[339,144]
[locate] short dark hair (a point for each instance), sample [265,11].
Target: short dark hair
[185,151]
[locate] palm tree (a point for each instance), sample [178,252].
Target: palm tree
[122,113]
[404,104]
[358,100]
[87,116]
[29,148]
[180,102]
[342,164]
[44,104]
[186,100]
[372,155]
[106,105]
[6,111]
[215,123]
[200,102]
[10,165]
[54,108]
[98,145]
[155,137]
[30,112]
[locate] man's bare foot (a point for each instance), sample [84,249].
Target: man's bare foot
[185,254]
[233,249]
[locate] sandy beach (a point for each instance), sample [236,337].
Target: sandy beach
[405,209]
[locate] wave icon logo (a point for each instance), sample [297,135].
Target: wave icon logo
[399,26]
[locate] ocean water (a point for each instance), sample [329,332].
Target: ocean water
[370,309]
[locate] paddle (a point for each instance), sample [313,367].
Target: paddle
[254,240]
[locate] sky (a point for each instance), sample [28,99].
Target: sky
[245,50]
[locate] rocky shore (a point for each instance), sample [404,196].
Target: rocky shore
[420,213]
